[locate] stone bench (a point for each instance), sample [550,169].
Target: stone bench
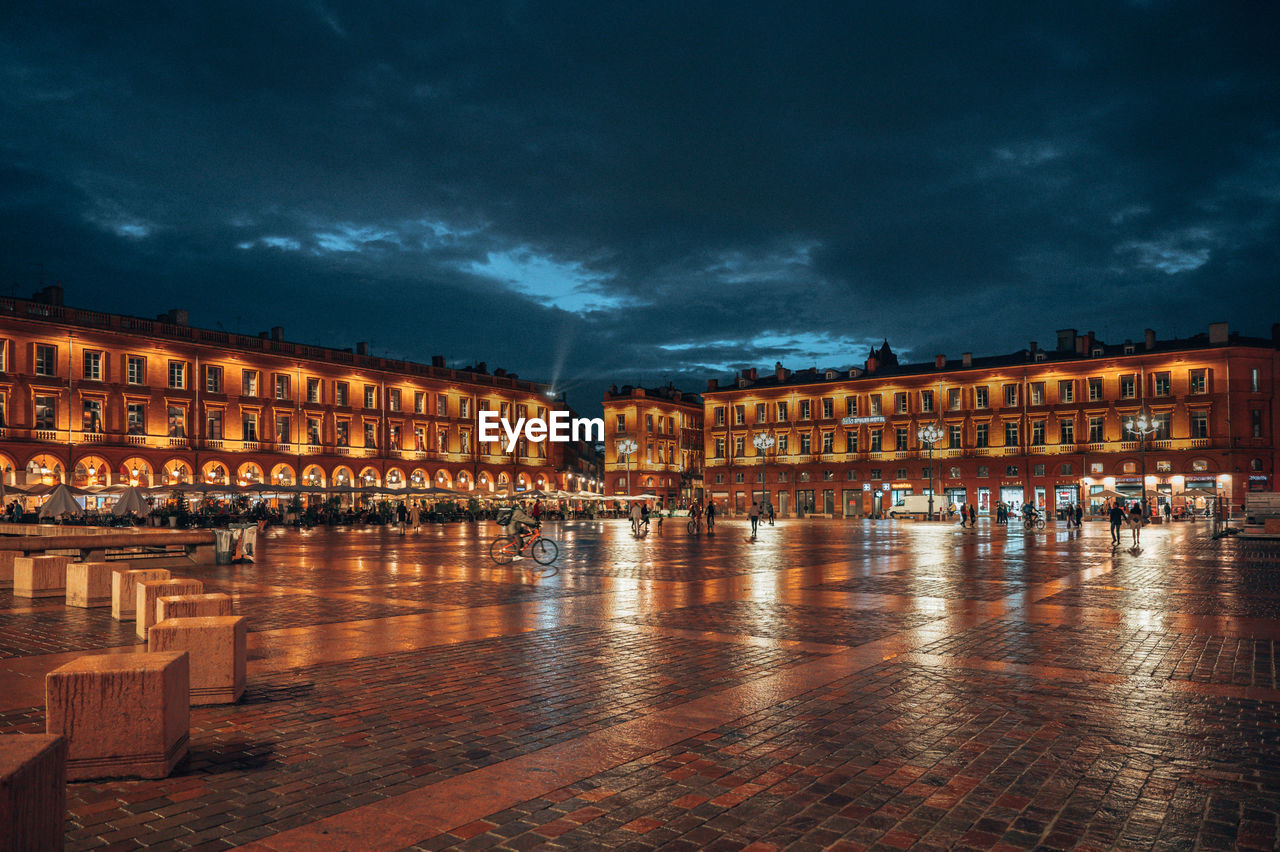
[124,589]
[192,606]
[216,645]
[40,576]
[89,584]
[33,791]
[124,715]
[149,591]
[6,567]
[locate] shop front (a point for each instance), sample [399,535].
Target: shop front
[984,501]
[853,502]
[1065,495]
[956,497]
[1013,496]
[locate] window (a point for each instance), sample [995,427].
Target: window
[442,405]
[1038,470]
[464,407]
[953,473]
[371,435]
[464,441]
[782,412]
[522,411]
[92,415]
[370,396]
[876,473]
[177,421]
[1067,469]
[805,440]
[828,409]
[420,441]
[1011,434]
[739,447]
[1011,470]
[1037,432]
[739,477]
[1161,422]
[46,412]
[1010,395]
[1160,384]
[900,473]
[850,442]
[851,475]
[900,403]
[782,445]
[926,400]
[393,400]
[1095,430]
[806,409]
[1199,424]
[1037,393]
[1095,467]
[1256,422]
[1128,387]
[761,412]
[135,370]
[953,399]
[719,448]
[956,437]
[850,406]
[343,433]
[213,424]
[875,440]
[313,431]
[1066,432]
[284,429]
[720,415]
[1199,465]
[1095,389]
[739,417]
[876,409]
[900,438]
[250,383]
[828,442]
[177,375]
[983,471]
[93,366]
[1199,383]
[980,397]
[341,393]
[46,360]
[1253,380]
[622,422]
[136,418]
[1164,466]
[420,403]
[313,391]
[213,379]
[980,436]
[249,425]
[1066,391]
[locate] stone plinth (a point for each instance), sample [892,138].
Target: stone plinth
[216,645]
[192,606]
[6,567]
[150,590]
[33,791]
[40,576]
[89,584]
[124,589]
[124,715]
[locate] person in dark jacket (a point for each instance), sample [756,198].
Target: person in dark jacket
[1116,517]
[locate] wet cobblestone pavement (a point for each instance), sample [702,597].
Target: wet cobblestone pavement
[833,685]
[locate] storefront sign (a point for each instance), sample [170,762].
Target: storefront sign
[1257,477]
[901,486]
[866,486]
[859,421]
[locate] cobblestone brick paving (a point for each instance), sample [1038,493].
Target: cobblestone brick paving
[1193,601]
[1200,657]
[319,740]
[924,587]
[828,625]
[898,758]
[52,629]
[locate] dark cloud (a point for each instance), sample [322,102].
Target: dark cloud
[584,192]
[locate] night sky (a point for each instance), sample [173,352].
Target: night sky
[596,193]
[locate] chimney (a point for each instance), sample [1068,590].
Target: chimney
[1034,348]
[1082,345]
[277,332]
[755,374]
[939,362]
[967,359]
[1149,338]
[1090,340]
[779,370]
[362,347]
[175,316]
[437,360]
[51,295]
[1218,332]
[872,364]
[1066,339]
[712,384]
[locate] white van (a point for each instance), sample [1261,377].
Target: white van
[915,504]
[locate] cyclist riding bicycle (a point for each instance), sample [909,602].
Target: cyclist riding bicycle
[518,523]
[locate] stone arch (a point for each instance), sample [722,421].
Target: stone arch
[282,474]
[216,472]
[396,478]
[418,478]
[443,479]
[8,470]
[342,476]
[504,480]
[176,472]
[541,481]
[463,481]
[522,482]
[369,476]
[45,468]
[250,473]
[136,470]
[81,477]
[484,481]
[313,474]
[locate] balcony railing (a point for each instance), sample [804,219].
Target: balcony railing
[92,437]
[47,435]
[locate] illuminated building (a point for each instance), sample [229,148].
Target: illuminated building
[1039,425]
[98,399]
[666,426]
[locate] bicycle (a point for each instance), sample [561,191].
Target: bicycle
[1033,523]
[503,550]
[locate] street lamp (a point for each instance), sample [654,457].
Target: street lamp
[930,433]
[764,442]
[1142,425]
[626,447]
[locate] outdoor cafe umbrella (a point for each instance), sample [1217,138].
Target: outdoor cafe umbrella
[1197,492]
[61,502]
[1114,495]
[130,501]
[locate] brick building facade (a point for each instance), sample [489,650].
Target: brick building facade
[666,425]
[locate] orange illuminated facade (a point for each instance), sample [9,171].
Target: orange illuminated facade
[665,425]
[99,399]
[1046,426]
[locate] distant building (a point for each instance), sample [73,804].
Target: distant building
[666,426]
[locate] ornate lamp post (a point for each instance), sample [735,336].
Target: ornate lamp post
[1142,425]
[930,433]
[764,442]
[626,447]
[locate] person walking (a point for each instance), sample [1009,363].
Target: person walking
[415,515]
[637,518]
[1079,513]
[973,519]
[402,515]
[1135,520]
[754,514]
[1116,516]
[711,516]
[964,516]
[769,506]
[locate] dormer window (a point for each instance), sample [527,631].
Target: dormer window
[1097,352]
[1128,349]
